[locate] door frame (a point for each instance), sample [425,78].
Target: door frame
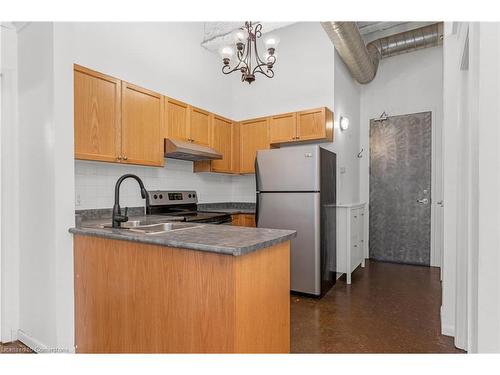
[436,186]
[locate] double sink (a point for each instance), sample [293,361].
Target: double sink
[146,227]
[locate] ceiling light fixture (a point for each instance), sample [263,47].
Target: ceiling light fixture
[245,40]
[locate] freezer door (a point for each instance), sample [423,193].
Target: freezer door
[288,169]
[300,212]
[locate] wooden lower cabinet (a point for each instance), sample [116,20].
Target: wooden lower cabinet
[140,298]
[244,220]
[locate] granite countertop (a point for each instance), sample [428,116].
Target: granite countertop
[221,239]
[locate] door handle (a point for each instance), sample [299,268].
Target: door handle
[422,201]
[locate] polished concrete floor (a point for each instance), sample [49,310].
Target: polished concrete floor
[388,308]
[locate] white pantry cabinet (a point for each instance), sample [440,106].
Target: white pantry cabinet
[350,238]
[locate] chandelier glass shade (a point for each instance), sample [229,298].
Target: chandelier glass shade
[246,59]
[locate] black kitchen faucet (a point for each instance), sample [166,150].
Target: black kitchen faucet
[118,218]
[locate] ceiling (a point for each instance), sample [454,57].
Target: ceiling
[218,34]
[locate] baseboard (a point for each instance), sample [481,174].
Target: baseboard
[32,343]
[446,328]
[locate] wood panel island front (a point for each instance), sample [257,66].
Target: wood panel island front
[208,289]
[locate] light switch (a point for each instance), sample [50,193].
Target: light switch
[342,170]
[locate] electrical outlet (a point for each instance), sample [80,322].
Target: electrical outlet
[342,170]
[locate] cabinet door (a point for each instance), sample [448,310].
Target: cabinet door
[361,231]
[199,126]
[222,130]
[283,128]
[176,119]
[235,144]
[142,130]
[253,137]
[311,124]
[248,220]
[97,101]
[356,252]
[236,219]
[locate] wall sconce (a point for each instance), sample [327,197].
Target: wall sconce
[344,123]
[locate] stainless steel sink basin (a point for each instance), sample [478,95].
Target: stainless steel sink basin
[135,223]
[163,227]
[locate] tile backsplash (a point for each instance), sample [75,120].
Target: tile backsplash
[95,182]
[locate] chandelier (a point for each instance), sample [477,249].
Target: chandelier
[247,60]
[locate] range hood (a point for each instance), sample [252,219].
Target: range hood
[176,149]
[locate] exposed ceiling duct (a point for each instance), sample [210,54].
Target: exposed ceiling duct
[362,60]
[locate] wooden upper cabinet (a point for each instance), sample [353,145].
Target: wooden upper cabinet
[283,128]
[142,126]
[253,137]
[200,126]
[97,101]
[235,144]
[222,136]
[315,124]
[176,119]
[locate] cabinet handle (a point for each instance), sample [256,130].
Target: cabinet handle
[355,245]
[125,158]
[119,157]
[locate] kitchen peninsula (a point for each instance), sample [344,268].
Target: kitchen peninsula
[200,288]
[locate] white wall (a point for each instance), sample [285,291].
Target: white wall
[405,84]
[9,281]
[165,57]
[450,150]
[38,284]
[488,302]
[347,142]
[471,284]
[303,76]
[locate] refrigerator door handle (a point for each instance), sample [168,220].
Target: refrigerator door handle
[256,193]
[257,209]
[256,167]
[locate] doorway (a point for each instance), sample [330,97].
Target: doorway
[400,189]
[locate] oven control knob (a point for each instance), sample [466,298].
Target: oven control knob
[189,196]
[155,196]
[194,195]
[161,196]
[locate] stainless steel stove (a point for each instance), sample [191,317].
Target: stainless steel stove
[182,203]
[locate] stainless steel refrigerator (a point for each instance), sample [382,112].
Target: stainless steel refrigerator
[296,189]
